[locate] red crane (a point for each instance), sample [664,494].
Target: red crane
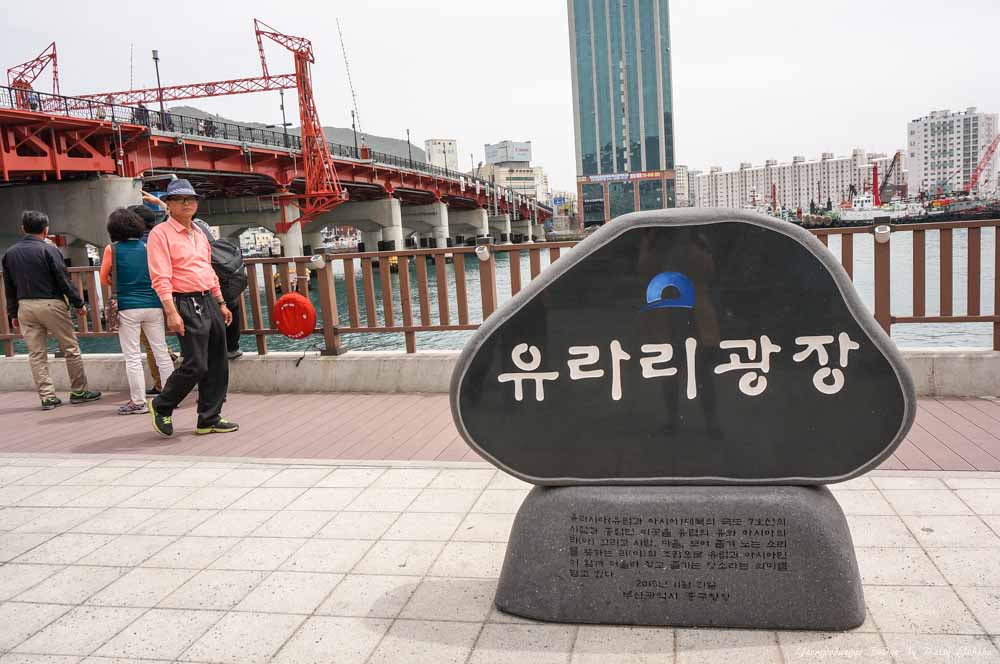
[235,86]
[323,191]
[23,75]
[981,166]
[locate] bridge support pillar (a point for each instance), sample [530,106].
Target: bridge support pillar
[78,208]
[500,227]
[429,221]
[469,223]
[291,240]
[379,221]
[76,252]
[524,228]
[313,239]
[371,239]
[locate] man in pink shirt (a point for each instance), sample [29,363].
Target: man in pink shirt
[180,267]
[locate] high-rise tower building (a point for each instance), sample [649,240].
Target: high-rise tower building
[943,149]
[622,106]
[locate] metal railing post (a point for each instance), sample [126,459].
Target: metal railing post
[883,289]
[328,309]
[488,282]
[996,287]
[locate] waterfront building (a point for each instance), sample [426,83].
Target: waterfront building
[796,184]
[943,149]
[442,152]
[681,186]
[563,203]
[508,164]
[622,106]
[524,179]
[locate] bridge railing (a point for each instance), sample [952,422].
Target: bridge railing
[430,291]
[87,109]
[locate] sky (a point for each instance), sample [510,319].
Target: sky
[753,80]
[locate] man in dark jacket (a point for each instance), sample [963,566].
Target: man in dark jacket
[38,286]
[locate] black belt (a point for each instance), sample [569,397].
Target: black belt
[195,294]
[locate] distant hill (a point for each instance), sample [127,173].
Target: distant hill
[343,136]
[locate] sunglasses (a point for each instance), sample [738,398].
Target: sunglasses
[182,199]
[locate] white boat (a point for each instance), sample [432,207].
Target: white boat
[899,209]
[863,210]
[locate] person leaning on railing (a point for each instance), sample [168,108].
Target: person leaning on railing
[38,286]
[125,268]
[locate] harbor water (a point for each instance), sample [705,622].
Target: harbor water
[905,335]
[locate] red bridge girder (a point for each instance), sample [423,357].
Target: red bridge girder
[39,147]
[36,147]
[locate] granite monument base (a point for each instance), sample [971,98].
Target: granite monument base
[768,557]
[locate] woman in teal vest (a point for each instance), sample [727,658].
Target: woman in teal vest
[139,309]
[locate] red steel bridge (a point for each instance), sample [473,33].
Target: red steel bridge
[70,140]
[50,137]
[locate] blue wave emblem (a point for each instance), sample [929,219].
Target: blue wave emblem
[654,292]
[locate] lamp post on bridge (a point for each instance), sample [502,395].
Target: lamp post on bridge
[284,122]
[355,130]
[159,87]
[409,147]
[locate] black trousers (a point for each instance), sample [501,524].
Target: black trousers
[233,329]
[203,349]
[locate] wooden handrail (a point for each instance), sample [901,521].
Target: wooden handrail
[389,304]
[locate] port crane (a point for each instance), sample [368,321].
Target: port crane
[323,190]
[20,77]
[885,190]
[983,163]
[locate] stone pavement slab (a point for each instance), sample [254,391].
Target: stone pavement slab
[283,560]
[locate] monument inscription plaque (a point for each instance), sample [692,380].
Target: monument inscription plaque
[667,353]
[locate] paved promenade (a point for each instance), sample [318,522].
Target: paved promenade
[949,434]
[121,558]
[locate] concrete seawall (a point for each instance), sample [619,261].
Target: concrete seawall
[942,372]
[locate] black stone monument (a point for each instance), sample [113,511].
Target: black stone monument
[680,386]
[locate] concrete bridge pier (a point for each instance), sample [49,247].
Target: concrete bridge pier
[428,221]
[371,239]
[8,238]
[469,223]
[76,251]
[245,212]
[291,240]
[79,209]
[232,216]
[524,228]
[313,238]
[378,220]
[500,227]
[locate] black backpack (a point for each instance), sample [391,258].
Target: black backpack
[227,261]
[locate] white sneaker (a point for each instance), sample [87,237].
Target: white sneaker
[132,408]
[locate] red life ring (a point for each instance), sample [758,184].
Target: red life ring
[295,316]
